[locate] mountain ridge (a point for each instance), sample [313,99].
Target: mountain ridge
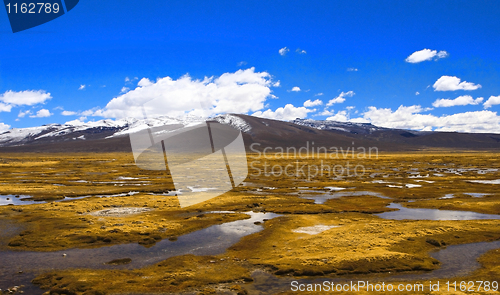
[111,135]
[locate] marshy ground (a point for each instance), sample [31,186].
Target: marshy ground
[329,223]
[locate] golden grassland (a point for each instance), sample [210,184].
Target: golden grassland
[362,243]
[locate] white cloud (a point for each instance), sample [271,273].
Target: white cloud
[340,116]
[352,69]
[325,112]
[340,98]
[124,89]
[277,84]
[410,117]
[319,94]
[289,112]
[300,51]
[426,54]
[81,87]
[308,103]
[89,112]
[129,80]
[283,51]
[239,92]
[4,127]
[451,83]
[242,63]
[295,89]
[459,101]
[5,107]
[75,122]
[69,113]
[23,114]
[417,93]
[493,100]
[42,114]
[27,97]
[144,82]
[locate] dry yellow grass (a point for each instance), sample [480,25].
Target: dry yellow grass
[362,243]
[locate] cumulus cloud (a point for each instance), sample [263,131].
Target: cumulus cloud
[417,93]
[340,116]
[81,87]
[27,97]
[308,103]
[426,54]
[295,89]
[130,80]
[5,107]
[300,51]
[23,114]
[352,69]
[319,94]
[240,92]
[289,112]
[242,63]
[42,114]
[325,112]
[283,51]
[4,127]
[459,101]
[124,89]
[277,84]
[68,113]
[340,98]
[451,83]
[493,100]
[411,117]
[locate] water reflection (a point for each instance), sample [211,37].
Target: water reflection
[324,196]
[456,261]
[209,241]
[432,214]
[26,199]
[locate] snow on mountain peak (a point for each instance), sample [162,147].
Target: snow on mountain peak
[234,121]
[108,128]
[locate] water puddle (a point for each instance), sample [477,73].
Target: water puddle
[432,214]
[447,196]
[26,200]
[322,197]
[474,195]
[209,241]
[408,185]
[421,180]
[495,181]
[477,195]
[17,200]
[456,261]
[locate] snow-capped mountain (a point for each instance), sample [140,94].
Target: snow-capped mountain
[112,135]
[361,128]
[77,130]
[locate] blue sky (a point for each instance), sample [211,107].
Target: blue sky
[355,53]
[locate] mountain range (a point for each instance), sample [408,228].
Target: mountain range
[112,135]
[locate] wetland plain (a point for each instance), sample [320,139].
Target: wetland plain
[94,223]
